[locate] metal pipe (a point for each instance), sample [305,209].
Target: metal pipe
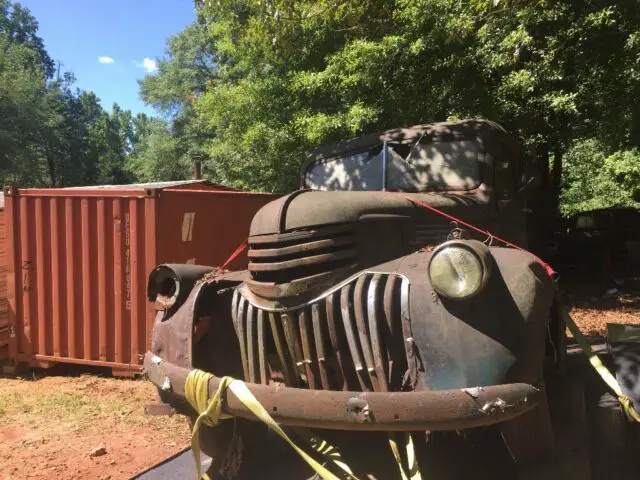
[197,168]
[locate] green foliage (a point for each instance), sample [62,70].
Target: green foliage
[157,155]
[293,74]
[595,177]
[253,86]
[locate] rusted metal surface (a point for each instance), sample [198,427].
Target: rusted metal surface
[389,411]
[329,235]
[284,258]
[4,305]
[79,259]
[305,262]
[336,339]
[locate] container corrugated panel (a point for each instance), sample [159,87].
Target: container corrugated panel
[4,305]
[79,261]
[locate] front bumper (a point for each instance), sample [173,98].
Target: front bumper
[432,410]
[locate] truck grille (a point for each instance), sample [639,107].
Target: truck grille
[352,338]
[286,257]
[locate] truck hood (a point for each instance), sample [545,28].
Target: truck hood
[306,209]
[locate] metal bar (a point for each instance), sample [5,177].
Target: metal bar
[133,367]
[310,367]
[361,322]
[345,308]
[335,341]
[319,340]
[406,332]
[262,349]
[239,324]
[54,275]
[40,270]
[300,249]
[85,268]
[390,331]
[251,344]
[14,277]
[369,411]
[117,278]
[280,349]
[103,338]
[133,289]
[71,250]
[303,261]
[377,346]
[293,340]
[151,254]
[234,307]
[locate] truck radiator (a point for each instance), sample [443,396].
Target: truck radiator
[355,337]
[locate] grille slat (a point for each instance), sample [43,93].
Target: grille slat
[292,336]
[406,332]
[345,306]
[252,351]
[310,365]
[374,333]
[357,337]
[319,343]
[286,257]
[262,348]
[301,249]
[334,337]
[392,330]
[360,305]
[237,315]
[277,334]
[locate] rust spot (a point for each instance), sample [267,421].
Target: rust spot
[358,410]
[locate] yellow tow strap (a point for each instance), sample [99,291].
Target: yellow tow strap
[210,412]
[605,374]
[412,472]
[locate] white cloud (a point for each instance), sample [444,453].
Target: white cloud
[149,64]
[106,60]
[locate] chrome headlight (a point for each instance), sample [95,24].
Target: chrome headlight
[459,268]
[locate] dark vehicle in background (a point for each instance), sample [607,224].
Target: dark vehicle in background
[366,311]
[594,233]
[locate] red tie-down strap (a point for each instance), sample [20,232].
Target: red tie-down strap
[550,271]
[241,248]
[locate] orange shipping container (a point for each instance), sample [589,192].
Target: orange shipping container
[4,306]
[79,258]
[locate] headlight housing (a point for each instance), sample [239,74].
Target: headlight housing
[459,269]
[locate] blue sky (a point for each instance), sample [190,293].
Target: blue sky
[105,42]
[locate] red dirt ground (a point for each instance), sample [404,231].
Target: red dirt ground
[50,425]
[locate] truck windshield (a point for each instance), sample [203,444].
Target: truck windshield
[434,166]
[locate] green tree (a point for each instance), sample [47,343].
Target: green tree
[294,74]
[51,134]
[157,156]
